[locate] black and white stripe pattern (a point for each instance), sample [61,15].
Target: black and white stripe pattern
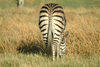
[52,24]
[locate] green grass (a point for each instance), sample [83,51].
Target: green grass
[6,4]
[64,3]
[37,60]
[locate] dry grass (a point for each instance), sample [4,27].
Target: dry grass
[84,37]
[19,30]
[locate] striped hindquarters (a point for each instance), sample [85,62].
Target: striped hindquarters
[52,24]
[51,18]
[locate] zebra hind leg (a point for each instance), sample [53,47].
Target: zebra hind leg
[58,51]
[53,51]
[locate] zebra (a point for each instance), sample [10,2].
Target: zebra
[52,24]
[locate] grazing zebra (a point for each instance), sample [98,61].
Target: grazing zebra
[52,24]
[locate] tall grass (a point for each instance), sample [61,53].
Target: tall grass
[19,31]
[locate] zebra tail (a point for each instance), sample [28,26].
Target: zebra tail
[49,37]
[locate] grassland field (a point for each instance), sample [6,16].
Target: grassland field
[21,43]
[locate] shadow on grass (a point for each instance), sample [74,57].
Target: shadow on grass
[31,48]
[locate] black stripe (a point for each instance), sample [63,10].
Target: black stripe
[41,21]
[44,7]
[43,26]
[44,35]
[43,11]
[58,30]
[47,5]
[62,44]
[59,26]
[57,7]
[58,11]
[43,16]
[43,30]
[57,34]
[59,21]
[63,41]
[59,16]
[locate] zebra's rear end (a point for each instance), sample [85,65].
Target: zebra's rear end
[52,24]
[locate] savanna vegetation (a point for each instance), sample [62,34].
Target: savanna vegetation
[21,43]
